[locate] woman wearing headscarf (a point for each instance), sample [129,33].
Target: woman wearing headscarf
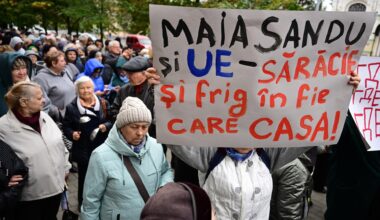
[14,67]
[109,190]
[86,126]
[37,140]
[71,56]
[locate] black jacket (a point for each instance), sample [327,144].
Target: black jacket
[10,164]
[354,178]
[82,148]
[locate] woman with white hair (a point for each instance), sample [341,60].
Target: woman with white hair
[85,125]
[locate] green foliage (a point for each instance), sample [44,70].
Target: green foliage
[116,15]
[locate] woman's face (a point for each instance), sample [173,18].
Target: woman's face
[19,74]
[71,56]
[36,102]
[136,78]
[134,133]
[59,66]
[86,90]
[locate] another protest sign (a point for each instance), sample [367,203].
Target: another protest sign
[254,78]
[365,102]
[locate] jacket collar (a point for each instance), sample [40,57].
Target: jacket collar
[16,126]
[117,144]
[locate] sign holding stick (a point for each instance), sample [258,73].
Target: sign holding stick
[244,78]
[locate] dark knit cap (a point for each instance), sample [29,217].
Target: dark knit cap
[174,202]
[136,64]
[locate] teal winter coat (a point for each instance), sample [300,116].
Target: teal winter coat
[109,191]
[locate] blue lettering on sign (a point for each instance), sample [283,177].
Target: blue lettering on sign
[219,64]
[198,72]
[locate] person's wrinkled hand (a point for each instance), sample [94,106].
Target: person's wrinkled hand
[354,80]
[152,76]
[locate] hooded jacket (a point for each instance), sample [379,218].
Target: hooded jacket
[6,63]
[43,153]
[59,91]
[78,62]
[109,190]
[233,194]
[353,180]
[89,68]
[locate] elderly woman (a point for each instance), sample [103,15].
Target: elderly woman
[57,84]
[85,125]
[37,140]
[110,191]
[93,69]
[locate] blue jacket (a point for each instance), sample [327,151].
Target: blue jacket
[89,68]
[109,190]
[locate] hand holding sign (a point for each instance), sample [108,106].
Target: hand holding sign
[295,92]
[152,76]
[354,80]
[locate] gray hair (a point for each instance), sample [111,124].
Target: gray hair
[81,80]
[20,90]
[113,43]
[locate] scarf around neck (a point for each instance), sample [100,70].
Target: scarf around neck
[83,110]
[33,121]
[236,156]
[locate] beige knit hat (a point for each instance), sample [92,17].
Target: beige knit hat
[133,110]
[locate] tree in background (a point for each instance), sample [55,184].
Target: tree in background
[114,15]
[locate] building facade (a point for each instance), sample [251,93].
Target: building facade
[373,45]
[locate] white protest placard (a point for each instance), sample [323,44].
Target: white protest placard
[365,102]
[246,78]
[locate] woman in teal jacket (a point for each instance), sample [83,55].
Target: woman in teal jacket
[109,191]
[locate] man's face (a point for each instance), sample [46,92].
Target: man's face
[136,78]
[115,49]
[128,53]
[99,45]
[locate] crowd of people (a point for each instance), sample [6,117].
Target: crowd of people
[91,103]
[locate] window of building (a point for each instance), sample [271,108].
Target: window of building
[357,7]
